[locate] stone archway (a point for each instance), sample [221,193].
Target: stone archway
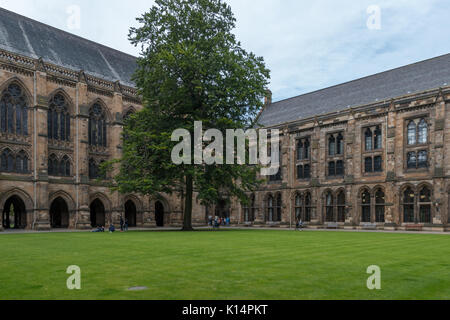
[14,213]
[131,213]
[59,213]
[159,214]
[98,215]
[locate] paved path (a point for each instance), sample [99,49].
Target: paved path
[5,232]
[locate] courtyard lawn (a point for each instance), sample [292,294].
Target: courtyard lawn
[253,264]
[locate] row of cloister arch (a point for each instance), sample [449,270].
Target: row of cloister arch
[415,205]
[17,209]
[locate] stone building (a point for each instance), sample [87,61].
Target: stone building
[371,153]
[63,100]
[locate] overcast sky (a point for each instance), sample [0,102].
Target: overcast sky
[307,45]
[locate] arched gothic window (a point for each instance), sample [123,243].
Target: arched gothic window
[97,126]
[249,210]
[270,212]
[64,167]
[299,205]
[409,199]
[425,205]
[14,111]
[303,207]
[22,162]
[58,119]
[329,207]
[14,163]
[278,208]
[365,206]
[341,206]
[93,169]
[379,206]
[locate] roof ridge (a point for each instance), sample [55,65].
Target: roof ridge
[362,78]
[66,32]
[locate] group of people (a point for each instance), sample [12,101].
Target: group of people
[218,221]
[123,226]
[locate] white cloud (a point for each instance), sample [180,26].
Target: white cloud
[307,45]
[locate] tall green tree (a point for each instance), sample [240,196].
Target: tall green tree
[191,68]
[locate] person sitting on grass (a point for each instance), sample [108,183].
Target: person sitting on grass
[112,228]
[99,229]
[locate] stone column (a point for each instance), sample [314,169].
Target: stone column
[438,167]
[81,155]
[392,209]
[40,149]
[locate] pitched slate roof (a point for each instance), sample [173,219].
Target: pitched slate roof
[410,79]
[21,35]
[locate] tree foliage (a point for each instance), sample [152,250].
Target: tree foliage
[191,68]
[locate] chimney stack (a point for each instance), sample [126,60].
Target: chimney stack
[268,98]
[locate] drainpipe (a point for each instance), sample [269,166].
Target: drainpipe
[34,148]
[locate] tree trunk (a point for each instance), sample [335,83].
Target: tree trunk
[187,222]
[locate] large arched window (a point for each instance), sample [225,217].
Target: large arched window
[270,208]
[64,167]
[22,162]
[303,207]
[279,205]
[58,119]
[425,205]
[249,210]
[341,206]
[329,208]
[408,205]
[379,206]
[299,205]
[93,169]
[7,161]
[14,111]
[365,206]
[97,126]
[14,163]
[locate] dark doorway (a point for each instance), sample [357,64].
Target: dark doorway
[130,213]
[14,214]
[222,209]
[159,214]
[97,214]
[59,214]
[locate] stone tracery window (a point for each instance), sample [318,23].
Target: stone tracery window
[60,168]
[380,206]
[303,206]
[14,163]
[366,206]
[97,126]
[416,151]
[14,111]
[58,119]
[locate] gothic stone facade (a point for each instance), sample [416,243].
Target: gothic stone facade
[384,165]
[57,125]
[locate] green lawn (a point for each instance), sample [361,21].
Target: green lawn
[253,264]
